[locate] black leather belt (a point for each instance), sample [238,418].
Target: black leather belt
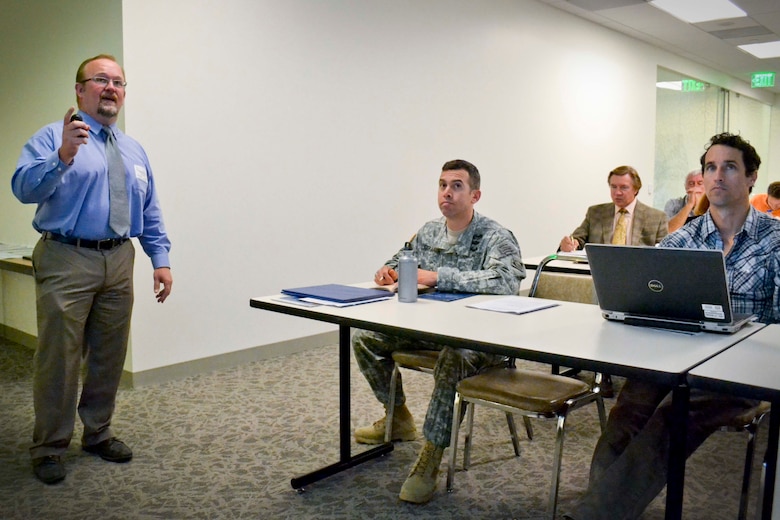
[101,245]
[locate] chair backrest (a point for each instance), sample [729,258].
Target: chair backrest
[567,287]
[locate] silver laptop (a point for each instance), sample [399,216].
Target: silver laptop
[672,288]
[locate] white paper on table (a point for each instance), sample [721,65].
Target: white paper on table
[514,304]
[331,303]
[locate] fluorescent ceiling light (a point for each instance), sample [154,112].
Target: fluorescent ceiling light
[670,85]
[762,50]
[684,85]
[695,11]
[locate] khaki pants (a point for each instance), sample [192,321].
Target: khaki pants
[84,299]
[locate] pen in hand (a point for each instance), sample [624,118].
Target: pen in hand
[386,276]
[568,244]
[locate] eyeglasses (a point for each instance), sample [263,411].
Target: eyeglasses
[103,81]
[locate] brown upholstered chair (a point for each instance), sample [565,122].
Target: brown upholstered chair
[425,361]
[545,284]
[533,394]
[530,393]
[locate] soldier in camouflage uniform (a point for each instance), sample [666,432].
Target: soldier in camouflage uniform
[459,252]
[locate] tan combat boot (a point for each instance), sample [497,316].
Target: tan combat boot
[403,428]
[421,483]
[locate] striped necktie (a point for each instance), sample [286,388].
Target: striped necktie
[119,208]
[621,228]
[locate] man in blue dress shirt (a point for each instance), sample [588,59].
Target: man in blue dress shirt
[83,263]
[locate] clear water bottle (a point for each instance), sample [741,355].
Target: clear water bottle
[407,275]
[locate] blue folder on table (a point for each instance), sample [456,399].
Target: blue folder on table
[337,293]
[445,296]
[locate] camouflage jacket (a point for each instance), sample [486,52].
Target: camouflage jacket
[486,259]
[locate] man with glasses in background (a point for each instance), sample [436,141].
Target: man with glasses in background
[94,190]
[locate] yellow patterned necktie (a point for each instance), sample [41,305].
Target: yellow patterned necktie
[619,236]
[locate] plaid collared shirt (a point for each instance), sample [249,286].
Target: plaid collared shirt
[752,265]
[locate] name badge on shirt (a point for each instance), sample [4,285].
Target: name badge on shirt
[140,173]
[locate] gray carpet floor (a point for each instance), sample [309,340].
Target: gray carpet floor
[224,445]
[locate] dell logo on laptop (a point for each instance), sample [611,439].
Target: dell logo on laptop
[655,286]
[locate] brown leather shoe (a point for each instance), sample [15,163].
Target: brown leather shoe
[112,450]
[49,469]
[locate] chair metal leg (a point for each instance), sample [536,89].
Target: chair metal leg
[529,428]
[556,469]
[391,404]
[749,452]
[762,483]
[510,421]
[469,435]
[602,413]
[458,411]
[752,432]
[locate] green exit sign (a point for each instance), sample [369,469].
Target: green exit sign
[762,79]
[691,85]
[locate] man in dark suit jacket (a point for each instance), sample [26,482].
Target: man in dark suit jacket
[645,225]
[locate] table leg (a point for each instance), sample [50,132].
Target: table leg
[346,459]
[677,439]
[770,462]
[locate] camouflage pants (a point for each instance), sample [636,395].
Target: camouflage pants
[373,351]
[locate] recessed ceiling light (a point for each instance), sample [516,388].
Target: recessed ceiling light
[695,11]
[762,50]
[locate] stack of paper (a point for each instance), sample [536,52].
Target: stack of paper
[12,251]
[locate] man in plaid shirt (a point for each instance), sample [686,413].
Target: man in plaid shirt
[630,461]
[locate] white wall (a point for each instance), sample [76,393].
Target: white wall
[300,142]
[42,43]
[772,168]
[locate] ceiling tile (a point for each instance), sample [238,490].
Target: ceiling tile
[713,44]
